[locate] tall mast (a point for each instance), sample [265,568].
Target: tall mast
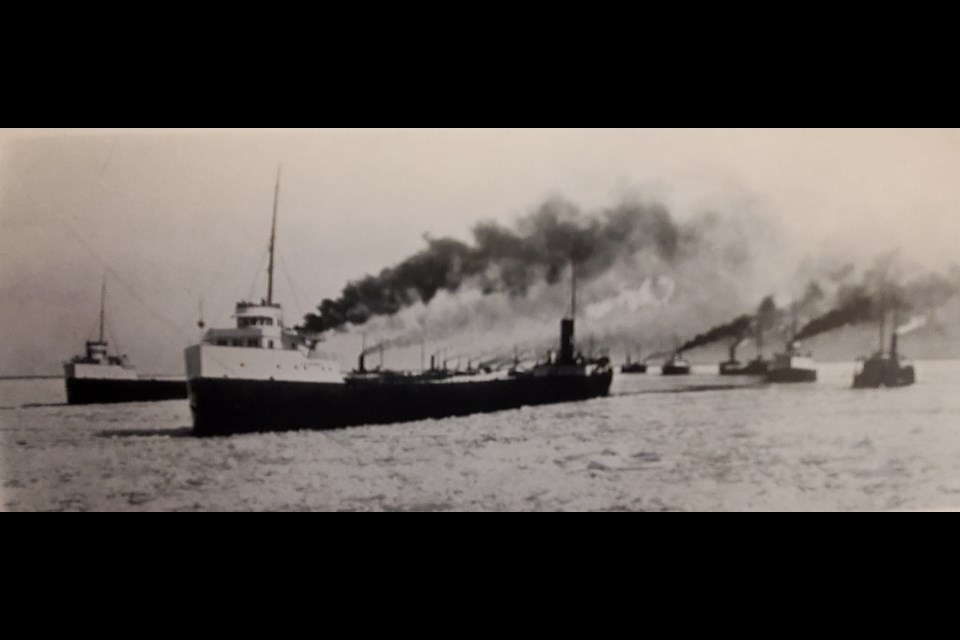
[103,297]
[273,237]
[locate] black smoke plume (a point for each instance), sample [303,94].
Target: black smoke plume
[879,296]
[765,318]
[538,249]
[856,306]
[767,314]
[883,292]
[736,329]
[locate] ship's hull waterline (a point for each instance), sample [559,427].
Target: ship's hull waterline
[675,371]
[755,368]
[107,391]
[630,369]
[230,406]
[884,375]
[791,376]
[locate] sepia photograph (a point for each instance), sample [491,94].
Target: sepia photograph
[480,320]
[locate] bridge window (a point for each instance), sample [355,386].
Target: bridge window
[253,343]
[255,322]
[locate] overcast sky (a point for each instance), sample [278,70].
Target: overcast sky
[174,216]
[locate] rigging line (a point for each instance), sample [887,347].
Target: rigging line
[217,304]
[256,277]
[293,289]
[131,291]
[117,347]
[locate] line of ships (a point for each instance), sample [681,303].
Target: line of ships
[263,376]
[882,369]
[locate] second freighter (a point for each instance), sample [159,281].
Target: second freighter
[262,376]
[99,377]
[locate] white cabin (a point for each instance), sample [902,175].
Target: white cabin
[259,326]
[97,363]
[259,347]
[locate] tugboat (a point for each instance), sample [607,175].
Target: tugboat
[885,369]
[633,367]
[262,376]
[98,377]
[676,366]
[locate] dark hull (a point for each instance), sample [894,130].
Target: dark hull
[675,371]
[755,368]
[94,391]
[633,368]
[875,377]
[227,406]
[791,376]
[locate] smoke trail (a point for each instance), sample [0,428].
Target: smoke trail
[655,291]
[766,317]
[767,314]
[915,324]
[643,278]
[882,292]
[855,307]
[735,329]
[811,296]
[500,259]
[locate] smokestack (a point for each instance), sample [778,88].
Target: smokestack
[433,363]
[567,325]
[893,346]
[361,363]
[566,341]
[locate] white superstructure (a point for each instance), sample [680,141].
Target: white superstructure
[97,363]
[259,347]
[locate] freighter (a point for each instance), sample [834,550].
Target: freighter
[98,377]
[885,369]
[263,376]
[631,366]
[676,366]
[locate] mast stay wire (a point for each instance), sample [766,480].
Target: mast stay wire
[171,325]
[293,289]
